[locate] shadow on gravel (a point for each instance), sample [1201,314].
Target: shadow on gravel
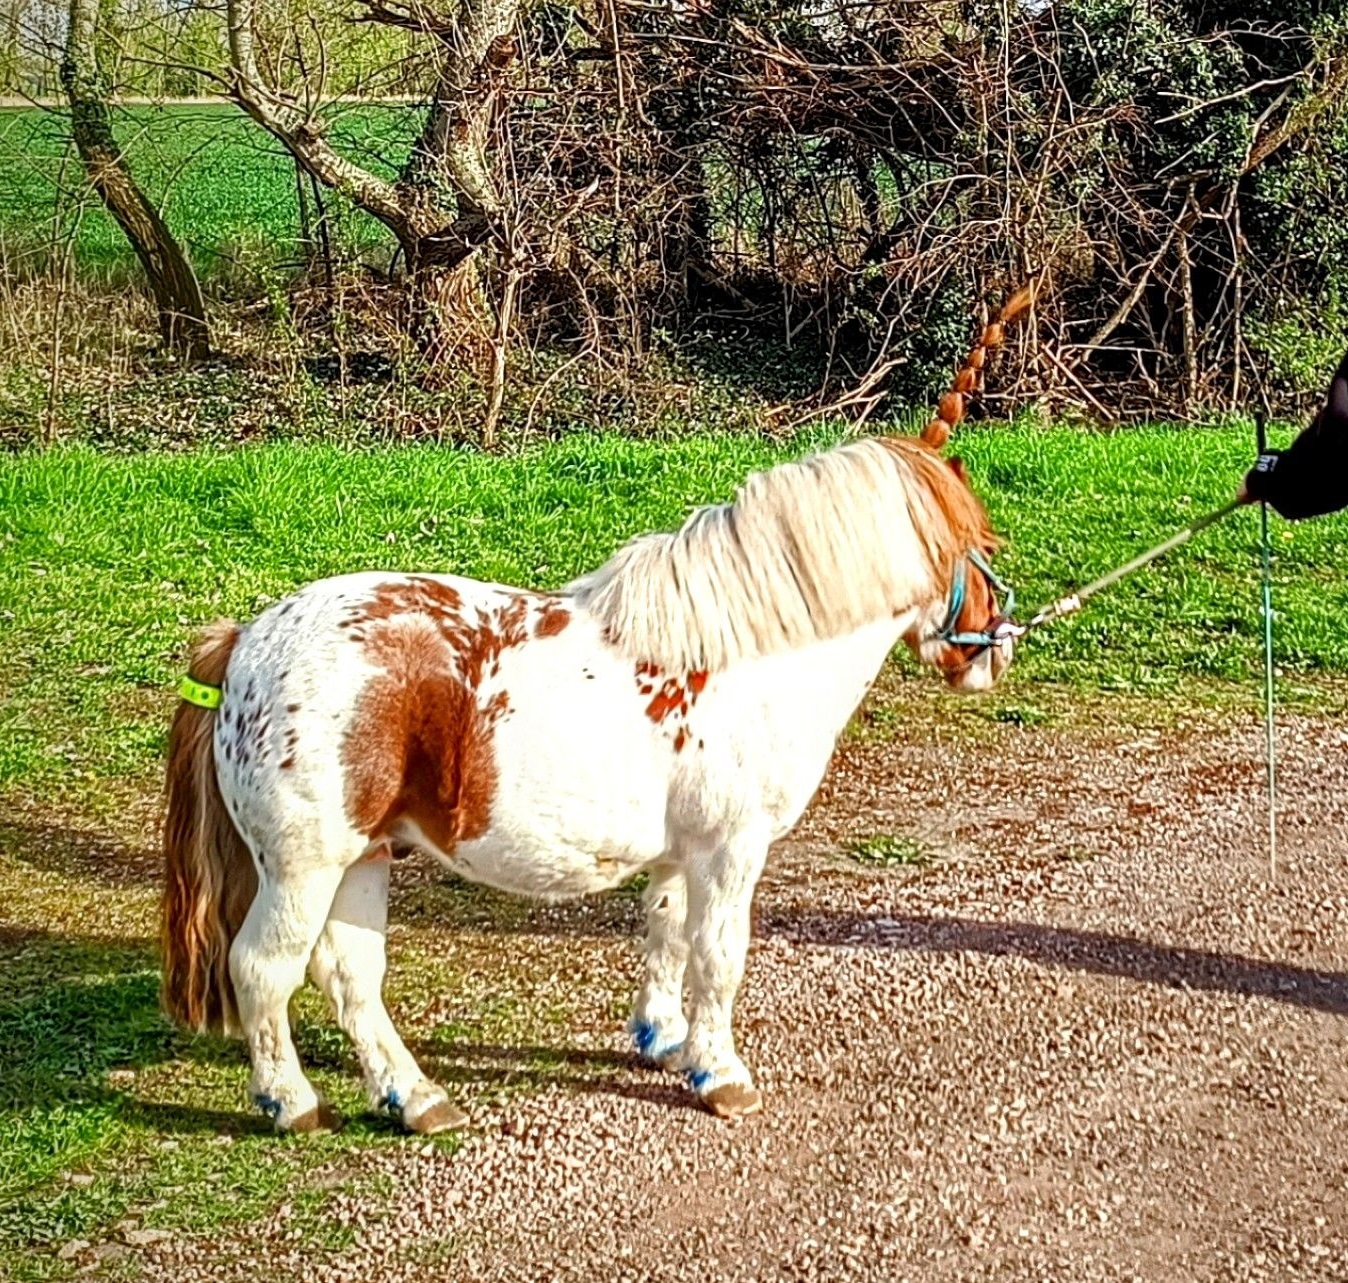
[588,1070]
[1096,952]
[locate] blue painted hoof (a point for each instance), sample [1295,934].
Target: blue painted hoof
[644,1037]
[699,1079]
[269,1105]
[393,1104]
[646,1040]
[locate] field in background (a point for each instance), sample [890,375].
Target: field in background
[225,187]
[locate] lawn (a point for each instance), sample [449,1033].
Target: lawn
[110,563]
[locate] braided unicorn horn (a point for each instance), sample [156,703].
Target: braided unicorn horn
[953,404]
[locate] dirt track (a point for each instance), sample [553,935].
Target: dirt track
[1091,1041]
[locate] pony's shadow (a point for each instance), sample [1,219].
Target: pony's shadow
[1093,952]
[586,1071]
[424,895]
[83,853]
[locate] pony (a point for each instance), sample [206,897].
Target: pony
[672,713]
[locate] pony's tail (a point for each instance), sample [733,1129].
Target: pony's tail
[209,876]
[954,403]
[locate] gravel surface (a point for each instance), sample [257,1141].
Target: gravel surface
[1091,1039]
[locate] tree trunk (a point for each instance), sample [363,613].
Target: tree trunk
[445,205]
[448,316]
[182,311]
[448,178]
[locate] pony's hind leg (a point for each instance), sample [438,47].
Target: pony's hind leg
[348,964]
[720,892]
[659,1026]
[266,963]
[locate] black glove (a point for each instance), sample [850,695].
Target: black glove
[1259,481]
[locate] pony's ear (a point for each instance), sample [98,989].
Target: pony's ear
[957,467]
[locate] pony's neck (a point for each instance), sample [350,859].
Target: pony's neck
[824,681]
[808,551]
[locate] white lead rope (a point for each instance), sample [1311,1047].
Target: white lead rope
[1074,601]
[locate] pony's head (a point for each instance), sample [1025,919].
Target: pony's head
[963,639]
[958,631]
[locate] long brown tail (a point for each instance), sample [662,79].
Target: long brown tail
[210,879]
[954,403]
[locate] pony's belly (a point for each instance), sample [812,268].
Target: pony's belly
[551,871]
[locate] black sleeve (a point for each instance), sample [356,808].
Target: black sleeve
[1310,477]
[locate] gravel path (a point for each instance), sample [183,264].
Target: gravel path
[1091,1040]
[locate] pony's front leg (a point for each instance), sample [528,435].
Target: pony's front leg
[348,964]
[659,1027]
[720,892]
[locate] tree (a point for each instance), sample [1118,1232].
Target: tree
[445,205]
[182,311]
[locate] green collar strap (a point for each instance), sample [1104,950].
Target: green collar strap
[195,692]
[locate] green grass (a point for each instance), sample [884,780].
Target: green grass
[108,1116]
[108,565]
[889,850]
[225,187]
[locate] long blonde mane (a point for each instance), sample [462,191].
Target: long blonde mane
[806,551]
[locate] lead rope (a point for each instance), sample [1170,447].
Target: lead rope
[1269,726]
[1074,601]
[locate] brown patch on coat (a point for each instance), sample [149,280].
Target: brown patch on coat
[477,637]
[419,747]
[416,595]
[551,620]
[480,645]
[668,699]
[673,696]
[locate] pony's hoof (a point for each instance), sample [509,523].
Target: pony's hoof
[651,1051]
[439,1117]
[734,1100]
[322,1118]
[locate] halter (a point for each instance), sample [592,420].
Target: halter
[1001,628]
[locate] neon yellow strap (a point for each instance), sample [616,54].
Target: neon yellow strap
[195,692]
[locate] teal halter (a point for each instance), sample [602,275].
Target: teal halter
[996,633]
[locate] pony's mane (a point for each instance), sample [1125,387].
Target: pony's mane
[806,551]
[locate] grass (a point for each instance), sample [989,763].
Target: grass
[225,187]
[108,564]
[109,1117]
[889,850]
